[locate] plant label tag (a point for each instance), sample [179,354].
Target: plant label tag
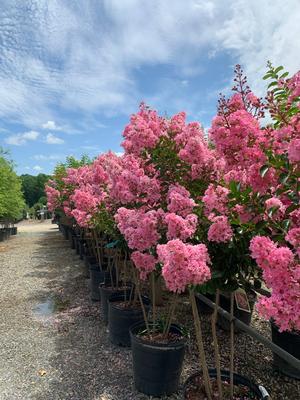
[241,300]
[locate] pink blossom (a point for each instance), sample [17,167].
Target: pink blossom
[295,218]
[144,262]
[179,200]
[260,248]
[281,273]
[179,227]
[293,237]
[294,151]
[139,228]
[215,199]
[220,231]
[237,138]
[244,215]
[129,183]
[143,131]
[277,205]
[53,196]
[183,264]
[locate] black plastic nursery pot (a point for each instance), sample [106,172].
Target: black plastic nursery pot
[238,380]
[72,240]
[81,248]
[88,260]
[243,316]
[2,236]
[120,319]
[156,367]
[106,291]
[97,276]
[7,232]
[290,342]
[14,230]
[65,231]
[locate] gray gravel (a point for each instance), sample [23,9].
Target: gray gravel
[54,346]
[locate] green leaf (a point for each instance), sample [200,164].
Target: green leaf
[286,224]
[284,75]
[233,186]
[112,244]
[275,83]
[267,76]
[271,211]
[283,177]
[278,69]
[263,170]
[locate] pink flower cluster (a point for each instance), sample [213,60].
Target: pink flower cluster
[144,262]
[183,264]
[139,227]
[294,151]
[220,230]
[180,201]
[238,138]
[129,183]
[53,196]
[215,199]
[179,227]
[144,131]
[281,273]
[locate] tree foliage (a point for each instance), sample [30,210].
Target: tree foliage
[34,188]
[11,196]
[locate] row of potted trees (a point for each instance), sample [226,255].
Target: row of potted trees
[216,214]
[7,230]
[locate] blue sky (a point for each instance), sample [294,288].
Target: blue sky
[72,72]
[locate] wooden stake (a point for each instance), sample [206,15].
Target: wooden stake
[201,353]
[216,344]
[231,342]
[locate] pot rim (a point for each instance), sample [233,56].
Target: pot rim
[180,343]
[118,297]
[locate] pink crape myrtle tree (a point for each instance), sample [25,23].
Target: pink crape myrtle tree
[166,164]
[202,213]
[277,252]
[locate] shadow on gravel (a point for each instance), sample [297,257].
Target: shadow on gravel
[84,366]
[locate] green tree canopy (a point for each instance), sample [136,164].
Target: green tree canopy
[11,196]
[34,188]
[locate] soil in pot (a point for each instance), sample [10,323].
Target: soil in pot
[290,342]
[157,360]
[121,316]
[244,389]
[106,290]
[243,316]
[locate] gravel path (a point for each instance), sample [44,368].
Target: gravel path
[53,345]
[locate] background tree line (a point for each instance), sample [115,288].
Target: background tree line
[11,197]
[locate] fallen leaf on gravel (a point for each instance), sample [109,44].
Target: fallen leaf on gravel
[42,372]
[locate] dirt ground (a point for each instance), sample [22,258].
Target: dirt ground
[54,345]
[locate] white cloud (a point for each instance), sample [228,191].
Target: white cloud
[22,138]
[44,157]
[52,139]
[51,125]
[37,168]
[81,57]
